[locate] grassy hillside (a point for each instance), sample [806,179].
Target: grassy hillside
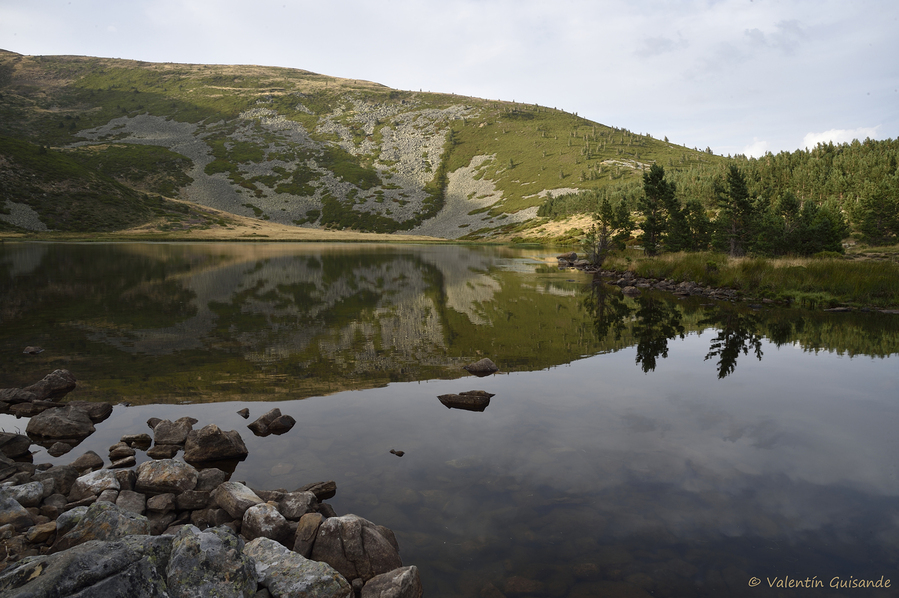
[296,148]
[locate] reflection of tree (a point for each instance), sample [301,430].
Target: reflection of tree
[657,321]
[608,310]
[736,333]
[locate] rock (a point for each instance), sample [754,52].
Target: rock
[630,291]
[567,257]
[282,425]
[98,412]
[484,367]
[58,449]
[168,432]
[244,413]
[61,423]
[356,547]
[64,477]
[164,451]
[193,500]
[123,462]
[166,475]
[32,350]
[108,495]
[321,490]
[127,478]
[12,513]
[209,479]
[209,563]
[306,532]
[129,567]
[264,521]
[120,451]
[92,484]
[161,503]
[14,445]
[293,505]
[209,444]
[404,582]
[260,426]
[471,400]
[32,408]
[235,498]
[286,573]
[27,495]
[132,502]
[54,385]
[102,521]
[69,519]
[89,460]
[153,421]
[141,441]
[41,533]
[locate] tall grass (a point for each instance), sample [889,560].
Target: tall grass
[808,281]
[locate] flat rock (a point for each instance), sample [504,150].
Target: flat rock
[471,400]
[93,483]
[61,423]
[235,498]
[210,444]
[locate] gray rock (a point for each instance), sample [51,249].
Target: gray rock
[321,490]
[282,425]
[69,519]
[208,479]
[64,477]
[260,426]
[108,495]
[98,412]
[210,444]
[168,432]
[286,573]
[27,495]
[356,547]
[160,522]
[167,475]
[64,423]
[484,367]
[93,483]
[193,500]
[161,503]
[306,532]
[133,567]
[399,583]
[235,498]
[264,521]
[141,441]
[630,291]
[294,505]
[120,451]
[164,451]
[54,385]
[123,462]
[209,563]
[131,501]
[102,521]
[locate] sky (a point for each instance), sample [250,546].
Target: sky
[737,76]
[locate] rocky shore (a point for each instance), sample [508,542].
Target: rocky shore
[169,527]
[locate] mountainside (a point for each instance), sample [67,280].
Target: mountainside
[291,147]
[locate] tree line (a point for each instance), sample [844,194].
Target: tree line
[798,203]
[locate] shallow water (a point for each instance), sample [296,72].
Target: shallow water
[650,447]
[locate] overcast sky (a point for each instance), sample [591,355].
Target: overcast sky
[739,76]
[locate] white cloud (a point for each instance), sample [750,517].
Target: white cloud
[756,149]
[839,136]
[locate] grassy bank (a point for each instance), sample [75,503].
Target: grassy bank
[825,281]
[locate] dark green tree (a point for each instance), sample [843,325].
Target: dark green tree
[737,213]
[658,197]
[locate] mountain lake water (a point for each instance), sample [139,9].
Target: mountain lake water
[654,446]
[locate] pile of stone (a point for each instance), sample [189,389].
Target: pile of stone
[168,528]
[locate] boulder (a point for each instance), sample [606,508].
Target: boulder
[470,400]
[306,532]
[356,547]
[98,412]
[131,501]
[235,498]
[141,441]
[12,513]
[102,521]
[65,422]
[260,426]
[93,483]
[321,490]
[166,475]
[294,505]
[168,432]
[282,425]
[286,573]
[404,582]
[130,567]
[164,451]
[210,444]
[63,476]
[58,449]
[27,495]
[54,385]
[208,479]
[264,521]
[209,563]
[89,460]
[484,367]
[14,445]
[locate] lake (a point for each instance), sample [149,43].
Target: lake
[656,446]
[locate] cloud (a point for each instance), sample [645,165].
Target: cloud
[756,149]
[655,46]
[839,136]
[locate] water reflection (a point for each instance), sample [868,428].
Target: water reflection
[737,333]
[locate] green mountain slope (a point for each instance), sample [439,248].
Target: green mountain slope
[297,148]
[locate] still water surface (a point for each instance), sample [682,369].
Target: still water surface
[648,447]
